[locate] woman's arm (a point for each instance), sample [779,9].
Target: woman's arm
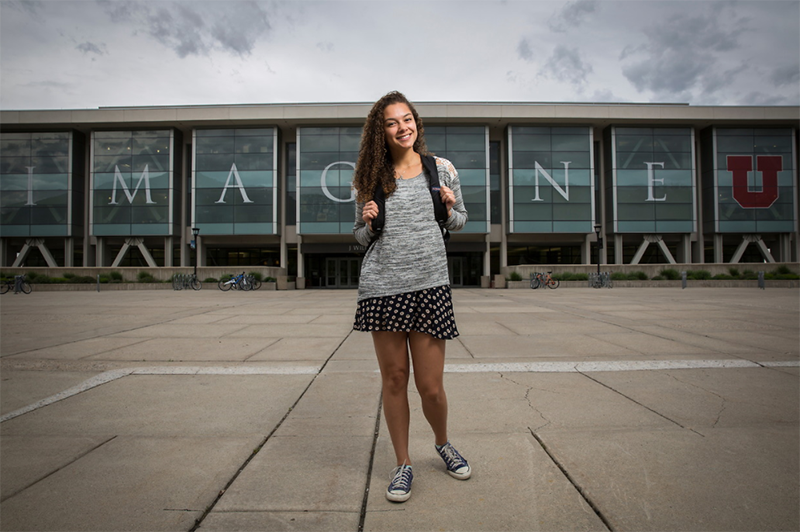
[361,230]
[448,177]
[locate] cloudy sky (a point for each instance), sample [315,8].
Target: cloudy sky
[67,54]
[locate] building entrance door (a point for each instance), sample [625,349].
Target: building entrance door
[455,268]
[342,272]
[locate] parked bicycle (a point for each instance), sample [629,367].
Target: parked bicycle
[18,284]
[601,280]
[239,282]
[181,281]
[544,280]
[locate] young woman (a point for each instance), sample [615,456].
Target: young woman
[404,294]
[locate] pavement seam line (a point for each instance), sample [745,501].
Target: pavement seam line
[53,472]
[362,518]
[640,404]
[210,508]
[572,481]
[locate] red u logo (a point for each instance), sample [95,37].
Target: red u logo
[769,166]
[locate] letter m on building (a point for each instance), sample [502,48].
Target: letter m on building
[121,180]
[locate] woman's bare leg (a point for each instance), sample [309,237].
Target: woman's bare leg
[427,354]
[391,349]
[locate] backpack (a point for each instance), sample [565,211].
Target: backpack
[439,208]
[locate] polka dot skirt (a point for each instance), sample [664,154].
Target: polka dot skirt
[428,311]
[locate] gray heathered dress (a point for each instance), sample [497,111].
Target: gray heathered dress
[410,255]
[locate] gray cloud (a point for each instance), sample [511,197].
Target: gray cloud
[91,48]
[194,28]
[565,64]
[572,15]
[681,54]
[759,98]
[786,75]
[524,50]
[25,6]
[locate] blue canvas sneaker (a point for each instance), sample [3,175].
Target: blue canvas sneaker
[400,487]
[456,465]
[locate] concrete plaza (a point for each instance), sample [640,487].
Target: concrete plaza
[630,409]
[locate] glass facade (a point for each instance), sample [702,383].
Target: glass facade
[550,180]
[749,181]
[326,159]
[132,176]
[36,185]
[653,180]
[467,147]
[234,181]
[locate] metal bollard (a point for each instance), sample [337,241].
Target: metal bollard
[98,282]
[683,280]
[761,283]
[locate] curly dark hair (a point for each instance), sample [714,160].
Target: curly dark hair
[375,163]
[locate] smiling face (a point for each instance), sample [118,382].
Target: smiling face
[399,127]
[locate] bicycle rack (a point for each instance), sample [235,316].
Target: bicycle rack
[601,280]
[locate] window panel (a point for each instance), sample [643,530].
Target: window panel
[746,204]
[238,177]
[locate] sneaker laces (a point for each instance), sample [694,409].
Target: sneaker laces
[401,478]
[452,459]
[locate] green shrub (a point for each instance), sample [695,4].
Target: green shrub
[619,276]
[749,274]
[658,278]
[734,272]
[226,277]
[783,272]
[569,276]
[30,276]
[270,280]
[256,275]
[514,276]
[637,276]
[69,275]
[146,277]
[105,279]
[116,276]
[723,277]
[671,274]
[698,275]
[210,280]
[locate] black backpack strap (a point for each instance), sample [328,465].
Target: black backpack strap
[439,208]
[379,197]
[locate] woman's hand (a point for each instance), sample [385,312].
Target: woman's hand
[369,212]
[448,198]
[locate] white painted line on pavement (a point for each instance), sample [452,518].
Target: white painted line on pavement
[115,374]
[513,367]
[783,364]
[585,367]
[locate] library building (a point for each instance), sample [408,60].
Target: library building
[268,187]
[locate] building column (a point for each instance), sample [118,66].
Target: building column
[685,249]
[618,248]
[69,252]
[200,251]
[301,267]
[487,255]
[168,252]
[718,255]
[586,249]
[785,247]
